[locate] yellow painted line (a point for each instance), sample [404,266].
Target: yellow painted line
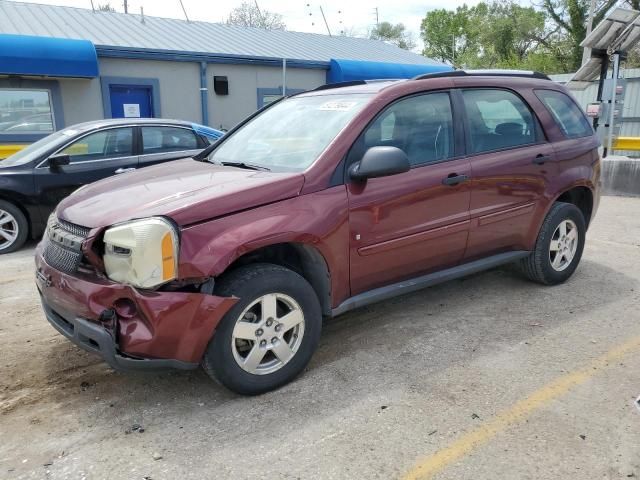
[432,464]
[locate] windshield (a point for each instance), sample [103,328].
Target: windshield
[290,136]
[36,149]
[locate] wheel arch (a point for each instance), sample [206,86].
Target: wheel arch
[581,196]
[304,259]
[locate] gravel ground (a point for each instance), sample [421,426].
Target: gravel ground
[390,385]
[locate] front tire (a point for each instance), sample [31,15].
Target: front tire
[14,228]
[269,336]
[559,246]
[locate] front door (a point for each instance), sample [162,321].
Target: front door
[411,223]
[93,157]
[511,164]
[131,101]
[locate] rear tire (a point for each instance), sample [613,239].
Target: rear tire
[14,228]
[269,336]
[559,246]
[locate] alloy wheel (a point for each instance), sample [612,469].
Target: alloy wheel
[8,229]
[563,246]
[268,334]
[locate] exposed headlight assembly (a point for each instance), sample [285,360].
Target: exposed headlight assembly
[142,253]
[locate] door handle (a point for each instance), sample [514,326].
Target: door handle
[540,159]
[454,179]
[124,170]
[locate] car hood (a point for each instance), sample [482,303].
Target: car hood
[188,191]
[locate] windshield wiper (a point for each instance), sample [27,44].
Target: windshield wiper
[248,166]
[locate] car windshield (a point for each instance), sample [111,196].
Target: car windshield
[290,136]
[36,149]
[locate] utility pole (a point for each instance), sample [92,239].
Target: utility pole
[126,7]
[377,17]
[586,54]
[325,20]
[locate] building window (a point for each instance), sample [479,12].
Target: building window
[25,111]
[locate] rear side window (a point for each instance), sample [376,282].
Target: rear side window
[566,113]
[167,139]
[421,126]
[498,119]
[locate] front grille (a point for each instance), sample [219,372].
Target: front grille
[63,245]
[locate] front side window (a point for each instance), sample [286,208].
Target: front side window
[167,139]
[25,111]
[566,113]
[290,135]
[498,119]
[111,143]
[421,126]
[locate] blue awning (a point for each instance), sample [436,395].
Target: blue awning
[348,70]
[52,57]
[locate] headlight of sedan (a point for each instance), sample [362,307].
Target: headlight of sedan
[142,253]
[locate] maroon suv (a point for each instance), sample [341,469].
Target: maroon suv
[320,203]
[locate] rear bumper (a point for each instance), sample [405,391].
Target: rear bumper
[150,330]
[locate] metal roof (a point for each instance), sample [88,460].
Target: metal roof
[128,31]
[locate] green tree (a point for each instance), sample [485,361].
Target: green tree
[570,18]
[395,34]
[500,34]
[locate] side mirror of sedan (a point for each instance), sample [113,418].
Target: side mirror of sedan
[57,161]
[380,162]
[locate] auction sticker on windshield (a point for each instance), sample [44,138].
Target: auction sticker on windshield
[337,106]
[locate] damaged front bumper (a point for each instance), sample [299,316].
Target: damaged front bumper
[128,328]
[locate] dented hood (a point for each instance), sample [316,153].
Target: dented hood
[187,190]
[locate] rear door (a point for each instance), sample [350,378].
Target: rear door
[511,164]
[163,143]
[408,224]
[94,156]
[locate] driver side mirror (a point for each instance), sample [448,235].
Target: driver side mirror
[380,162]
[57,161]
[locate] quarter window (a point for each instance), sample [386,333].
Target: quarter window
[111,143]
[167,139]
[498,119]
[421,126]
[25,111]
[566,113]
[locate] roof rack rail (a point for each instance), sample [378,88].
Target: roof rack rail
[350,83]
[492,73]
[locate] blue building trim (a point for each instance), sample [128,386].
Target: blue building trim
[56,105]
[262,92]
[348,70]
[106,82]
[181,56]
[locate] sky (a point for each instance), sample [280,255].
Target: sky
[356,17]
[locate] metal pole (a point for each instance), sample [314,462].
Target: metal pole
[184,11]
[325,20]
[204,93]
[92,7]
[587,51]
[126,7]
[284,77]
[616,70]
